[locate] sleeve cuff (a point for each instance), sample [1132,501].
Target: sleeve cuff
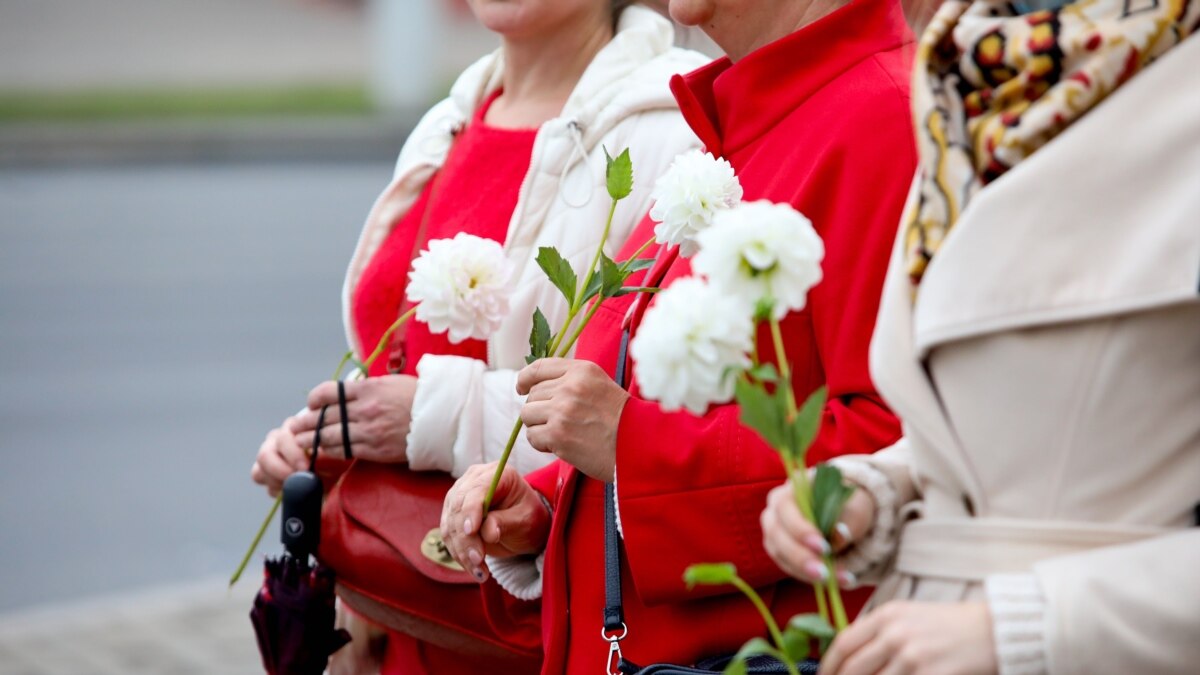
[520,576]
[444,390]
[1018,611]
[869,558]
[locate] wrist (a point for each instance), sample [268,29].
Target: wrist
[874,506]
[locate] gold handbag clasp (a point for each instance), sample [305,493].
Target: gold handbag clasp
[434,549]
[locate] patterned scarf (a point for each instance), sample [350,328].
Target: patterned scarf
[992,86]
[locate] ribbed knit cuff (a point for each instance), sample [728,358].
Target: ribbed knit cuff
[520,575]
[868,558]
[1018,623]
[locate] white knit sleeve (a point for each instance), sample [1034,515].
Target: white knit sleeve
[1018,623]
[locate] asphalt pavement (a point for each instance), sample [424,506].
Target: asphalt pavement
[155,321]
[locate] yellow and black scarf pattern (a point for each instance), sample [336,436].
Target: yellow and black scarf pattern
[991,86]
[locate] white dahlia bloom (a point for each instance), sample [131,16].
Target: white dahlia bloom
[762,251]
[461,285]
[688,343]
[696,186]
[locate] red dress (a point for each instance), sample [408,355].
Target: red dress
[820,120]
[461,198]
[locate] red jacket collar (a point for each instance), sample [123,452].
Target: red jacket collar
[730,105]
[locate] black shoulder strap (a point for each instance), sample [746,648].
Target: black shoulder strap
[614,619]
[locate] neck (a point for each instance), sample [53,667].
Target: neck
[778,23]
[540,73]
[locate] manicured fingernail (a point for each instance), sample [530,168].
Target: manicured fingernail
[817,543]
[478,573]
[475,558]
[848,579]
[843,530]
[816,570]
[467,529]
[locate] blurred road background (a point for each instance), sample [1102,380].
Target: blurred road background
[181,185]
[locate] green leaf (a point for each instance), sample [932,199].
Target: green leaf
[709,574]
[813,626]
[619,175]
[796,644]
[764,372]
[808,422]
[753,647]
[761,411]
[607,281]
[829,495]
[539,337]
[611,275]
[595,284]
[637,264]
[559,271]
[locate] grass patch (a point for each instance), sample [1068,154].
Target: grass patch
[18,106]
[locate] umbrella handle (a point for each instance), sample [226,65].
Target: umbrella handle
[300,526]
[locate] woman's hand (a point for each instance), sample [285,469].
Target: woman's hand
[278,457]
[796,545]
[380,415]
[518,522]
[916,638]
[572,410]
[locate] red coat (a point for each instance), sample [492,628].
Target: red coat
[819,119]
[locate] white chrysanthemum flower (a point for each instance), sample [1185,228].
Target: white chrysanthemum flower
[762,251]
[696,186]
[461,285]
[688,343]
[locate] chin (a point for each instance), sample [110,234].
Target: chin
[506,17]
[691,12]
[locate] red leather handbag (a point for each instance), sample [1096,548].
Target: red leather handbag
[379,532]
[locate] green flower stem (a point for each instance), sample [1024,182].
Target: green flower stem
[337,375]
[785,368]
[577,303]
[558,337]
[776,634]
[262,529]
[512,437]
[512,440]
[385,339]
[637,254]
[803,493]
[835,596]
[557,349]
[822,602]
[598,299]
[566,349]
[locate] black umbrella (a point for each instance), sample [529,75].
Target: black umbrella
[293,613]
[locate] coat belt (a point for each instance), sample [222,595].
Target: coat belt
[970,549]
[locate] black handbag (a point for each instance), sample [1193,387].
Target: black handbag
[615,629]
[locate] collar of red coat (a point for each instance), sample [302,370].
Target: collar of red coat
[730,105]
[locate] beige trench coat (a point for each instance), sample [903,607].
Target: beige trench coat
[1048,375]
